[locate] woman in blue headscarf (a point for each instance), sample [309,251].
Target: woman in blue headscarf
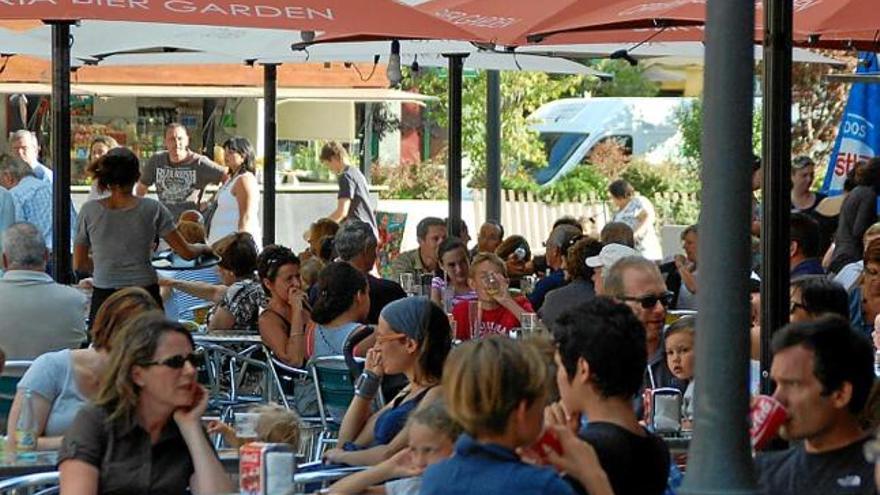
[413,338]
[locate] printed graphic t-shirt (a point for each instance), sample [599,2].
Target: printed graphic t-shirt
[178,185]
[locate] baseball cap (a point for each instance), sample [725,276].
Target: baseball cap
[610,254]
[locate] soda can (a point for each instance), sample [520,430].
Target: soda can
[767,416]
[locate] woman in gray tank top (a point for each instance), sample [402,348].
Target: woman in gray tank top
[343,303]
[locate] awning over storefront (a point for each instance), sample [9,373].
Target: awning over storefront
[292,94]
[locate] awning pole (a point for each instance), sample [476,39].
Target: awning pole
[720,460]
[776,214]
[62,268]
[456,66]
[270,131]
[493,146]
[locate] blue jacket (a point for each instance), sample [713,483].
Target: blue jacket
[489,469]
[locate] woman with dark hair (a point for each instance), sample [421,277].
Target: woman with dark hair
[62,381]
[237,200]
[238,297]
[143,433]
[859,211]
[637,212]
[120,230]
[284,323]
[579,288]
[452,287]
[99,147]
[814,296]
[343,303]
[413,338]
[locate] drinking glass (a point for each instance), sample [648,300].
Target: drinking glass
[493,286]
[474,318]
[527,285]
[528,322]
[407,282]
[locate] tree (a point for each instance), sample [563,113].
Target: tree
[627,80]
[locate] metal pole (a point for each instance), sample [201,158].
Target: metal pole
[456,65]
[493,145]
[775,237]
[61,151]
[270,126]
[367,144]
[720,455]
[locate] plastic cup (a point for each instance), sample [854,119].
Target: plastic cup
[767,417]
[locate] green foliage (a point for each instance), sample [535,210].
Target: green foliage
[627,80]
[690,123]
[671,188]
[424,180]
[521,94]
[582,181]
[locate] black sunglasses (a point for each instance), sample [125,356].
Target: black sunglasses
[651,300]
[177,362]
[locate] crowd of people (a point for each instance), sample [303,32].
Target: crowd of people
[481,406]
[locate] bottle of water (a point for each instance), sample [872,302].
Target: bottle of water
[26,429]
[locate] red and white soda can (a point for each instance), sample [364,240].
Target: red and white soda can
[767,416]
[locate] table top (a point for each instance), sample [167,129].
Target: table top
[227,338]
[169,260]
[36,462]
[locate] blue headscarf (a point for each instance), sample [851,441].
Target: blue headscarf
[408,316]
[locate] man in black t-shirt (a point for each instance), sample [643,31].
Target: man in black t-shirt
[600,357]
[823,373]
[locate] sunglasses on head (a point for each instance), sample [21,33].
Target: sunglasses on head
[651,300]
[177,362]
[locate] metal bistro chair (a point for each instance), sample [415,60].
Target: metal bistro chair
[335,390]
[12,373]
[34,484]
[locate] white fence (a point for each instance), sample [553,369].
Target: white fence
[525,214]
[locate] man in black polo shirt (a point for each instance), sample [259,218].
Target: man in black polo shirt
[823,372]
[600,358]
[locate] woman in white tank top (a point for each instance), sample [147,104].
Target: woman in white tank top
[237,199]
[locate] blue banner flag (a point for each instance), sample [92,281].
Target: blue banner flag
[858,139]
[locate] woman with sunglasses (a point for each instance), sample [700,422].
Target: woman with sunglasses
[62,381]
[143,433]
[412,338]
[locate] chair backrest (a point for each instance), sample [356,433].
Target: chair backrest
[333,384]
[12,374]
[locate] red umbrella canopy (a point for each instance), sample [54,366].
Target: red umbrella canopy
[371,19]
[594,15]
[817,23]
[503,22]
[838,23]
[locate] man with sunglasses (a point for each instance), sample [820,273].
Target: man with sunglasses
[637,282]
